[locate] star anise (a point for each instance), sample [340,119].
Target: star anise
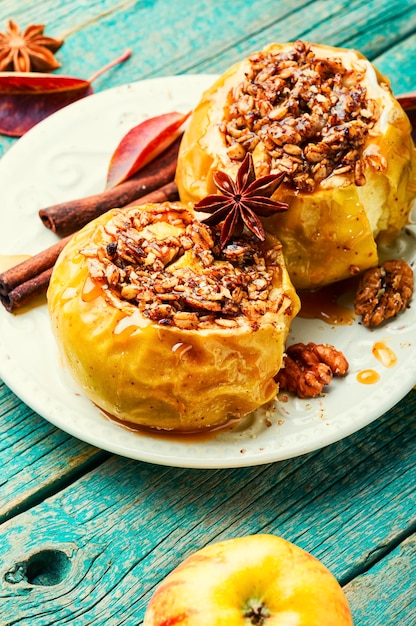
[242,201]
[28,51]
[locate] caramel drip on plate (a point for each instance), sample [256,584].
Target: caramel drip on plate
[384,354]
[327,303]
[368,377]
[199,436]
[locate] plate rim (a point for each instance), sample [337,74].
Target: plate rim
[36,404]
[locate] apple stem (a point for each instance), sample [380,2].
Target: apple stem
[256,613]
[126,55]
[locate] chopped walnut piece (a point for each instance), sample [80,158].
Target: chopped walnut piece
[308,368]
[383,292]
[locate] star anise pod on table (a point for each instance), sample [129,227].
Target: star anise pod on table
[30,51]
[242,201]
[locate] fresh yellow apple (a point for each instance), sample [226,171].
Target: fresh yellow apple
[327,119]
[260,580]
[163,328]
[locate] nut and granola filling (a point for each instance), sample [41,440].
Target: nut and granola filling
[166,325]
[326,120]
[175,270]
[310,116]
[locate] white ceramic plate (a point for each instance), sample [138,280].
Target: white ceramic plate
[66,156]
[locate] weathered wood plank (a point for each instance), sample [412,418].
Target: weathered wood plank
[201,45]
[60,17]
[363,26]
[37,458]
[212,36]
[145,27]
[125,525]
[349,24]
[398,65]
[387,593]
[107,15]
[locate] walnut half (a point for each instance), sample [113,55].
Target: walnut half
[383,292]
[308,368]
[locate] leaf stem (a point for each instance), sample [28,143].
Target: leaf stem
[126,55]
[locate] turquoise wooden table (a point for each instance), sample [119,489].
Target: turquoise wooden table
[86,534]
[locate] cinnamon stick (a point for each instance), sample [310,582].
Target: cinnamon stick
[30,278]
[30,268]
[67,217]
[26,291]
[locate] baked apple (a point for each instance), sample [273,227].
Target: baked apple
[326,119]
[162,325]
[257,579]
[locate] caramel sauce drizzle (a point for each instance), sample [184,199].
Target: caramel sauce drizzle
[327,303]
[91,290]
[200,436]
[368,377]
[384,354]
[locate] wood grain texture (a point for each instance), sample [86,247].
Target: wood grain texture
[36,457]
[345,24]
[211,35]
[89,535]
[125,525]
[385,592]
[398,65]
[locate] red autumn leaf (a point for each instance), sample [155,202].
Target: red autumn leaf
[26,98]
[408,101]
[142,144]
